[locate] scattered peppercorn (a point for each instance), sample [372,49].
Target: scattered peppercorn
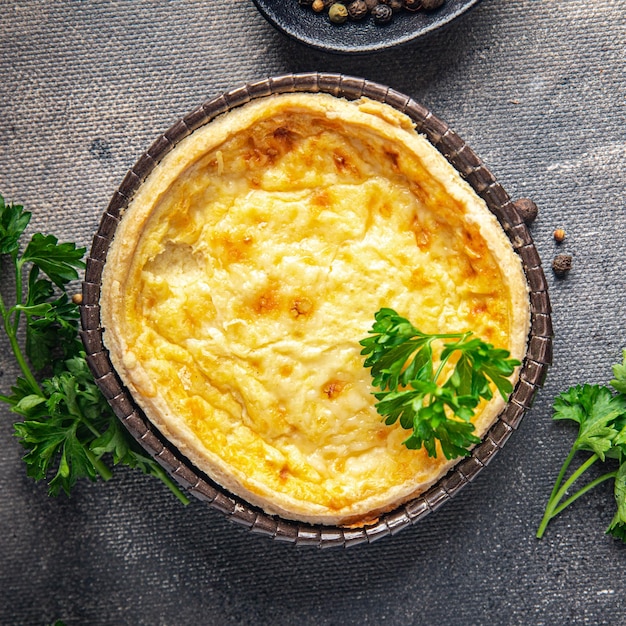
[527,210]
[382,13]
[338,13]
[559,235]
[381,10]
[77,298]
[561,264]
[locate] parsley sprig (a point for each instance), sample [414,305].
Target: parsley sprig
[69,430]
[600,412]
[437,408]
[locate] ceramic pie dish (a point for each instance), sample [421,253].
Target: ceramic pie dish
[207,328]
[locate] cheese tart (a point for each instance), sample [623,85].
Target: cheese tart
[249,265]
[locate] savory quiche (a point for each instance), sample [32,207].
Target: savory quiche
[249,265]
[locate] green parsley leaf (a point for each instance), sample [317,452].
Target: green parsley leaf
[13,222]
[401,361]
[617,527]
[58,261]
[601,418]
[51,333]
[59,434]
[68,429]
[114,442]
[619,372]
[595,409]
[394,339]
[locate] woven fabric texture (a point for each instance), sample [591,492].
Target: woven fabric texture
[537,89]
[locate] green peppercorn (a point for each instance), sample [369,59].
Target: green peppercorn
[340,10]
[338,13]
[382,13]
[357,10]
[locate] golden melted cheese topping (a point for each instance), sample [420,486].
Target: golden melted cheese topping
[251,263]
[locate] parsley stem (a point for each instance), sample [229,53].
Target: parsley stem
[18,295]
[442,364]
[553,503]
[15,347]
[461,338]
[561,476]
[575,476]
[75,410]
[87,423]
[160,473]
[100,466]
[28,375]
[585,489]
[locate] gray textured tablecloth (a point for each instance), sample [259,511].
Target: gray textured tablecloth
[537,88]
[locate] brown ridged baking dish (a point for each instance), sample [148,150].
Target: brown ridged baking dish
[471,168]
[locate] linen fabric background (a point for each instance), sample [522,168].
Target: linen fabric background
[537,88]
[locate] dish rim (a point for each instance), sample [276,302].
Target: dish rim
[348,38]
[472,169]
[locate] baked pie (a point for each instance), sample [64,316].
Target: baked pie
[249,265]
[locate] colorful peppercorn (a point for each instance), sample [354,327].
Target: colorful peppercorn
[357,10]
[527,210]
[381,10]
[412,5]
[382,13]
[561,264]
[337,13]
[396,5]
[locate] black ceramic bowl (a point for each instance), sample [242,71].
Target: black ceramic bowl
[357,37]
[469,165]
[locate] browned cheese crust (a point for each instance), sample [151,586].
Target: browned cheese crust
[250,264]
